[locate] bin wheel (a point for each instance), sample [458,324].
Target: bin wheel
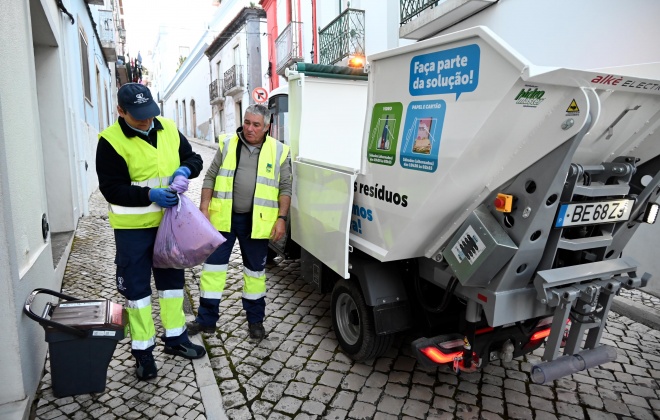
[353,323]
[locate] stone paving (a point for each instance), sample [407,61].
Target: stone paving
[299,371]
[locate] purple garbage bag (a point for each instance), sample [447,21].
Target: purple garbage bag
[185,237]
[180,184]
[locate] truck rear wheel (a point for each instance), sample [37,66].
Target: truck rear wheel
[353,322]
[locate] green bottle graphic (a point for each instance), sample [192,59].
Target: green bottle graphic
[384,141]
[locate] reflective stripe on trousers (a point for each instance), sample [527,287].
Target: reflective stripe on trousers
[141,323]
[254,284]
[171,312]
[212,281]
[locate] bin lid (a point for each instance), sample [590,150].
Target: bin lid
[89,314]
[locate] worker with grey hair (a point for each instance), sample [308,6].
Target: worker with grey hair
[246,195]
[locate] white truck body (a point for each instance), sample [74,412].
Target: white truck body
[482,137]
[463,174]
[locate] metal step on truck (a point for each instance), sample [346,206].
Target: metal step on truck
[482,204]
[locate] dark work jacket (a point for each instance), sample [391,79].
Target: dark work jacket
[112,170]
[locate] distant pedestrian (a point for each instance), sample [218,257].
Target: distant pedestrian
[136,159]
[246,195]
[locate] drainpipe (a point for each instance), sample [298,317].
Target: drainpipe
[299,32]
[212,119]
[315,35]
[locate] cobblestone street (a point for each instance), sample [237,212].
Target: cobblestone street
[299,371]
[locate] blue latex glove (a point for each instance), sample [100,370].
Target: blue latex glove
[181,170]
[164,197]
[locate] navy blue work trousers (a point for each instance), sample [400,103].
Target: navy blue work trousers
[134,260]
[254,253]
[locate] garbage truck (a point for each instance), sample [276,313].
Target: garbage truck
[458,193]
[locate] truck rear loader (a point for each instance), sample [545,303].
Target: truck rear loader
[468,197]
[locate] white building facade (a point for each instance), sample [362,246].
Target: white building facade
[172,45]
[185,90]
[238,65]
[186,98]
[57,90]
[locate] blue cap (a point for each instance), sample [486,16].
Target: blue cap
[136,99]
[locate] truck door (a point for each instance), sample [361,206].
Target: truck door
[327,122]
[321,213]
[278,104]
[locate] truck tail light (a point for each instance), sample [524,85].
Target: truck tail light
[540,335]
[438,356]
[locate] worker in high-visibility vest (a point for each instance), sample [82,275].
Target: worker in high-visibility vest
[136,159]
[246,195]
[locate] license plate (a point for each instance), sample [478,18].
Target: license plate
[576,214]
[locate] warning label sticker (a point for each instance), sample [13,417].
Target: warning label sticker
[573,108]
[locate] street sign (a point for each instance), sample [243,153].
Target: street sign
[260,95]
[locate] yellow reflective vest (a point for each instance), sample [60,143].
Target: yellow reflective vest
[148,166]
[265,205]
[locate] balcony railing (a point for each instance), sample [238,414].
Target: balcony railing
[233,80]
[412,8]
[422,19]
[343,37]
[215,88]
[106,29]
[289,46]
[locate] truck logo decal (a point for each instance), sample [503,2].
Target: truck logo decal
[452,71]
[530,97]
[610,80]
[607,80]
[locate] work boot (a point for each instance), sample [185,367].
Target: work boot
[187,350]
[145,366]
[257,330]
[195,328]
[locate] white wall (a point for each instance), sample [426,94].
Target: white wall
[265,80]
[191,83]
[83,113]
[231,118]
[185,30]
[587,34]
[23,202]
[42,153]
[166,53]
